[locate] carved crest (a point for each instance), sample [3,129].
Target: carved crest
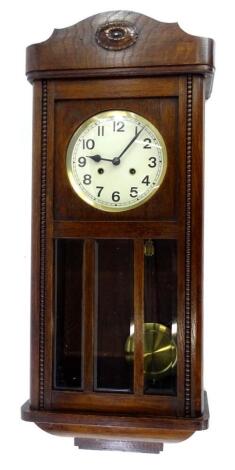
[116,35]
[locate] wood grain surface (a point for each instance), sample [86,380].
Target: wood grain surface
[162,46]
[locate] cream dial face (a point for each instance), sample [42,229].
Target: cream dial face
[116,161]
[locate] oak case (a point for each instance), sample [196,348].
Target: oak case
[168,87]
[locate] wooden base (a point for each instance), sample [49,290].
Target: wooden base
[118,432]
[124,446]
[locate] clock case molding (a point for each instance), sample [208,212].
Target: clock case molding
[151,67]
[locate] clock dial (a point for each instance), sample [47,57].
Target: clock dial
[116,160]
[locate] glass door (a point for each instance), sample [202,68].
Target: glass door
[131,322]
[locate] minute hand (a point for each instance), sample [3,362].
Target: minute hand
[116,160]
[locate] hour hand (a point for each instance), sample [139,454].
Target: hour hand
[98,158]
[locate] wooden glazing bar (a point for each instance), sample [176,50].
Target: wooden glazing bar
[88,313]
[139,316]
[113,229]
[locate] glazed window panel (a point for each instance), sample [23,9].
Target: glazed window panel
[68,314]
[114,315]
[160,317]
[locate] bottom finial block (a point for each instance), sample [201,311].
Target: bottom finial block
[125,446]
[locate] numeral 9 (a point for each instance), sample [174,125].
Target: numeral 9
[81,161]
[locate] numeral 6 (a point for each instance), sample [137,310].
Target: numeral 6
[116,196]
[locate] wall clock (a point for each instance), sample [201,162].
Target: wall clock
[116,312]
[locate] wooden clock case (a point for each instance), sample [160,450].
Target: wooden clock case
[118,60]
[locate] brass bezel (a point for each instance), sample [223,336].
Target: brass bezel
[74,139]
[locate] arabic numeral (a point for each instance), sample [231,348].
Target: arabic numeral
[100,131]
[100,188]
[81,161]
[118,126]
[153,161]
[148,143]
[134,191]
[145,180]
[116,196]
[87,179]
[88,144]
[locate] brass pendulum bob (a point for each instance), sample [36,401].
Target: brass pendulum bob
[159,350]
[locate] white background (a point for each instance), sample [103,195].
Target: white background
[23,444]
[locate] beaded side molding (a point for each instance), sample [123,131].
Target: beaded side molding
[43,243]
[188,254]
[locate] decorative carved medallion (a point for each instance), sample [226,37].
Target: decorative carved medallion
[116,35]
